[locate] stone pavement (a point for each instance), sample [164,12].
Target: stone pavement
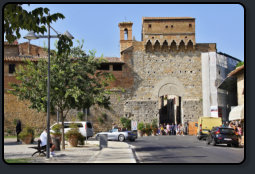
[116,152]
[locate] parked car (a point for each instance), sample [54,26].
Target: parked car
[85,127]
[223,135]
[115,134]
[205,124]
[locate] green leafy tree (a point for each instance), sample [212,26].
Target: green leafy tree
[126,122]
[17,18]
[239,64]
[75,82]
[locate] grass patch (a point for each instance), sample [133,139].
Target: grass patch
[10,136]
[18,160]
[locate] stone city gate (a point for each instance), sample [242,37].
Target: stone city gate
[170,92]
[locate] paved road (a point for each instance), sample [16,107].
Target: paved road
[183,149]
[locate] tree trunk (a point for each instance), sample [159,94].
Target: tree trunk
[63,133]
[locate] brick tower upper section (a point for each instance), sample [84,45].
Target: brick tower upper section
[169,30]
[125,35]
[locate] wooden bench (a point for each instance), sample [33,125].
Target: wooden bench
[40,150]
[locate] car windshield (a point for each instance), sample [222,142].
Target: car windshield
[114,130]
[227,131]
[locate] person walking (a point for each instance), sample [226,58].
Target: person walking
[186,128]
[162,130]
[168,129]
[176,129]
[18,129]
[172,129]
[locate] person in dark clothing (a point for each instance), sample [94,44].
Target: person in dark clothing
[18,129]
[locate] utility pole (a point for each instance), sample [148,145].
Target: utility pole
[86,114]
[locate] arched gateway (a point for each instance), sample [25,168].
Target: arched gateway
[169,92]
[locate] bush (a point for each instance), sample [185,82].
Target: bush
[125,122]
[81,139]
[27,131]
[140,126]
[74,131]
[148,128]
[56,130]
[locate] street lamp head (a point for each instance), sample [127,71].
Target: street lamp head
[31,36]
[68,35]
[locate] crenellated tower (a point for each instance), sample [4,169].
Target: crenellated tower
[168,33]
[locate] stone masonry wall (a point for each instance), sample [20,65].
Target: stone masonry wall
[141,111]
[17,109]
[155,74]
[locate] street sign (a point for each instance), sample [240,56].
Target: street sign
[214,111]
[133,125]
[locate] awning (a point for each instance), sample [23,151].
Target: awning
[237,113]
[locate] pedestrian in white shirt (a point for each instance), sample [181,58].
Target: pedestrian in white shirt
[43,138]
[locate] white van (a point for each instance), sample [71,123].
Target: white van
[85,127]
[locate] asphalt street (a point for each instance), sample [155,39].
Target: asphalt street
[183,149]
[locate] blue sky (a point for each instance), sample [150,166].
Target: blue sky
[222,24]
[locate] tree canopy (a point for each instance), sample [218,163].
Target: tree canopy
[75,82]
[17,18]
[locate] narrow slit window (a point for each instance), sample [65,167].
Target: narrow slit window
[126,34]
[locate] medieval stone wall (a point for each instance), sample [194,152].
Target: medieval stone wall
[17,109]
[158,74]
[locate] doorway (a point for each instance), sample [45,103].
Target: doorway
[170,109]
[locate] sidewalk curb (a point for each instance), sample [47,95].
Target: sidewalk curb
[135,155]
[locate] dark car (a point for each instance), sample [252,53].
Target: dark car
[223,135]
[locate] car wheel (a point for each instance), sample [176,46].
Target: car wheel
[121,138]
[213,142]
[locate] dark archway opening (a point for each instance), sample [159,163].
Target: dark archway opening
[190,46]
[170,110]
[157,46]
[182,46]
[149,46]
[173,46]
[165,46]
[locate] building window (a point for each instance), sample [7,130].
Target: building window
[190,25]
[166,26]
[172,26]
[11,68]
[117,67]
[126,34]
[104,67]
[149,25]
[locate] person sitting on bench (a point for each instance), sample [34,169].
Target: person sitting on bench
[43,138]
